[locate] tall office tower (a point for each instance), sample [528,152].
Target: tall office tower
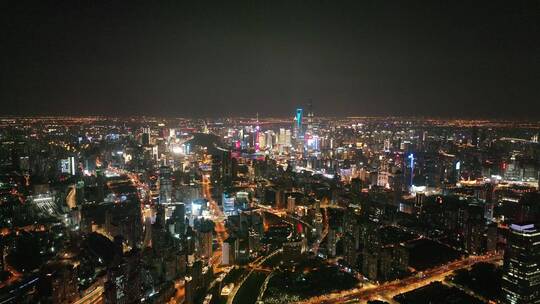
[145,137]
[474,136]
[205,238]
[331,242]
[58,284]
[291,204]
[281,136]
[242,199]
[293,249]
[311,140]
[160,220]
[410,171]
[254,240]
[387,145]
[490,204]
[350,253]
[68,165]
[297,127]
[229,251]
[309,127]
[287,137]
[100,185]
[221,169]
[261,141]
[147,240]
[371,250]
[124,280]
[352,227]
[269,139]
[318,224]
[165,185]
[521,270]
[280,199]
[491,237]
[179,219]
[228,203]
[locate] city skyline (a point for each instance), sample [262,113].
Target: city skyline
[104,210]
[270,152]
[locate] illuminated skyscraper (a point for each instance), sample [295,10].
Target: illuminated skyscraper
[299,116]
[165,185]
[229,251]
[145,137]
[309,127]
[291,204]
[269,139]
[228,203]
[411,167]
[284,137]
[179,219]
[297,127]
[311,138]
[221,169]
[68,166]
[205,239]
[521,272]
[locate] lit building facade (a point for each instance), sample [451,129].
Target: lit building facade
[521,273]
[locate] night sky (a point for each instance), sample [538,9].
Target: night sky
[231,58]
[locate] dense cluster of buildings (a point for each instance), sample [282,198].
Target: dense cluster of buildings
[126,210]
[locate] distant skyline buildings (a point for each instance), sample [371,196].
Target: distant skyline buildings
[182,200]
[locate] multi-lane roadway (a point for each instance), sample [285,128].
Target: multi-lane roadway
[390,289]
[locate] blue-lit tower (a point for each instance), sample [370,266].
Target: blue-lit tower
[298,132]
[411,165]
[299,114]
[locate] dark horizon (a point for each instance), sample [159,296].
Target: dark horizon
[432,59]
